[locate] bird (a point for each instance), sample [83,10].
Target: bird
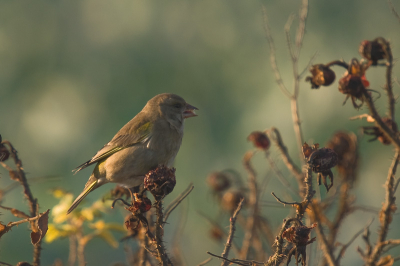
[152,138]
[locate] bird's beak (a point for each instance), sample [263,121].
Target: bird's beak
[189,111]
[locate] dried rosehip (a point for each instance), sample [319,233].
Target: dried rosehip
[160,181]
[378,134]
[346,147]
[374,50]
[140,204]
[218,181]
[260,140]
[322,160]
[230,200]
[132,224]
[354,83]
[321,76]
[299,236]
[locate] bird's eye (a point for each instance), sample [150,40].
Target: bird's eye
[177,105]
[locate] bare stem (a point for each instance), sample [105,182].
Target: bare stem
[162,254]
[386,212]
[232,229]
[253,206]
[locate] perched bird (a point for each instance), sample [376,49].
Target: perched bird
[151,138]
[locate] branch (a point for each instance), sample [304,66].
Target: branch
[177,201]
[232,229]
[386,212]
[378,121]
[252,204]
[394,10]
[272,53]
[162,254]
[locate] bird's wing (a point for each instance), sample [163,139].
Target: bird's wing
[128,136]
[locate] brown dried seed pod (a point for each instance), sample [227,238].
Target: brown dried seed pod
[373,50]
[140,204]
[132,224]
[346,147]
[321,76]
[218,181]
[259,139]
[230,200]
[323,160]
[160,181]
[298,235]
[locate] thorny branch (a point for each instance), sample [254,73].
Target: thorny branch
[19,175]
[232,229]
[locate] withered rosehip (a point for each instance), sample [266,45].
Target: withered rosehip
[260,140]
[321,76]
[299,236]
[160,181]
[218,181]
[374,50]
[354,83]
[132,224]
[346,147]
[321,161]
[230,200]
[141,203]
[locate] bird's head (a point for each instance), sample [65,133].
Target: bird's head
[172,107]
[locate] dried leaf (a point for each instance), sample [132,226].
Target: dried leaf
[386,261]
[19,214]
[3,229]
[42,226]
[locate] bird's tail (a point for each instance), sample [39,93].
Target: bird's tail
[90,186]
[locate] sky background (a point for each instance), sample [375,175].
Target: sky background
[72,73]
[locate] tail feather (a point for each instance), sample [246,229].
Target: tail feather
[88,188]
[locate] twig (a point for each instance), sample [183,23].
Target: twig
[378,121]
[225,260]
[275,135]
[279,255]
[177,255]
[253,206]
[224,234]
[284,202]
[162,254]
[272,53]
[72,250]
[4,263]
[389,82]
[232,229]
[204,262]
[328,253]
[279,174]
[33,206]
[394,10]
[386,212]
[177,201]
[344,248]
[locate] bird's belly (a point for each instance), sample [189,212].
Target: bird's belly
[130,165]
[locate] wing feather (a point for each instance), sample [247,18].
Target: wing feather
[128,136]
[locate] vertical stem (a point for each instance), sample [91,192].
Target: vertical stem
[72,250]
[253,206]
[232,229]
[162,254]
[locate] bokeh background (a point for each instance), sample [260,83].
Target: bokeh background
[72,73]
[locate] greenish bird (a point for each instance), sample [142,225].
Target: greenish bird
[151,138]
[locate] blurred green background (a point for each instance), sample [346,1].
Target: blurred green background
[72,73]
